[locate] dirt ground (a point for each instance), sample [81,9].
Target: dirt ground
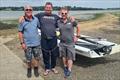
[106,68]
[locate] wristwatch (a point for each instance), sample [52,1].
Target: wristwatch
[21,43]
[78,36]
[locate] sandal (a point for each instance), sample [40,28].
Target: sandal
[46,72]
[55,71]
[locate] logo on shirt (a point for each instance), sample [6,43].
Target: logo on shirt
[49,17]
[69,23]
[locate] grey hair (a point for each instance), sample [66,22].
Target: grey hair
[64,8]
[27,6]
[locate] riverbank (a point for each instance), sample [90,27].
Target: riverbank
[107,26]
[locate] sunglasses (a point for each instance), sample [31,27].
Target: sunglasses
[28,9]
[64,13]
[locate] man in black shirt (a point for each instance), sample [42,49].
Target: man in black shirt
[48,22]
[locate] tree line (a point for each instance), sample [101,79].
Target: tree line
[55,8]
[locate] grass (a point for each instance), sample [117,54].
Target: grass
[10,21]
[96,16]
[8,32]
[116,14]
[4,26]
[8,28]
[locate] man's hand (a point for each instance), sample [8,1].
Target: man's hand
[75,39]
[21,19]
[72,18]
[23,46]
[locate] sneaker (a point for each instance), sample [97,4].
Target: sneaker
[46,72]
[68,73]
[65,71]
[29,72]
[36,73]
[55,71]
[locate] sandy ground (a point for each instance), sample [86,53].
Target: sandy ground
[103,21]
[108,26]
[8,68]
[106,68]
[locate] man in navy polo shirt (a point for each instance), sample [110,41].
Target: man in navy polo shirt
[30,39]
[48,22]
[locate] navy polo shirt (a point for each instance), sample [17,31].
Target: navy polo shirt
[48,24]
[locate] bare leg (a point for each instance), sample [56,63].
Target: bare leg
[70,63]
[65,62]
[35,64]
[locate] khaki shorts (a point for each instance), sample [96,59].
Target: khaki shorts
[67,51]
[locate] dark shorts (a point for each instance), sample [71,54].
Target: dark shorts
[67,51]
[32,52]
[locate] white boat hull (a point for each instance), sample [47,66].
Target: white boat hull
[91,52]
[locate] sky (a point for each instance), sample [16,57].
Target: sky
[80,3]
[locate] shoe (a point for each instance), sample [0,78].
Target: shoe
[29,72]
[55,71]
[65,71]
[46,72]
[36,73]
[68,73]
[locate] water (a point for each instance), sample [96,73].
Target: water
[9,15]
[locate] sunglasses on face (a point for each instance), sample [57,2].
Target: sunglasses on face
[28,9]
[64,13]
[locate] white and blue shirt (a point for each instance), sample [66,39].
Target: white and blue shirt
[29,28]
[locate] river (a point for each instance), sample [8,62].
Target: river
[9,15]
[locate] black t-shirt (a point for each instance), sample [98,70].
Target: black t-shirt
[48,24]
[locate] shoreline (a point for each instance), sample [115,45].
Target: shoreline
[17,14]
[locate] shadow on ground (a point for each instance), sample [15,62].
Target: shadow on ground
[88,62]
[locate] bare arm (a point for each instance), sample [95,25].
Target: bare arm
[77,26]
[21,19]
[78,30]
[20,34]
